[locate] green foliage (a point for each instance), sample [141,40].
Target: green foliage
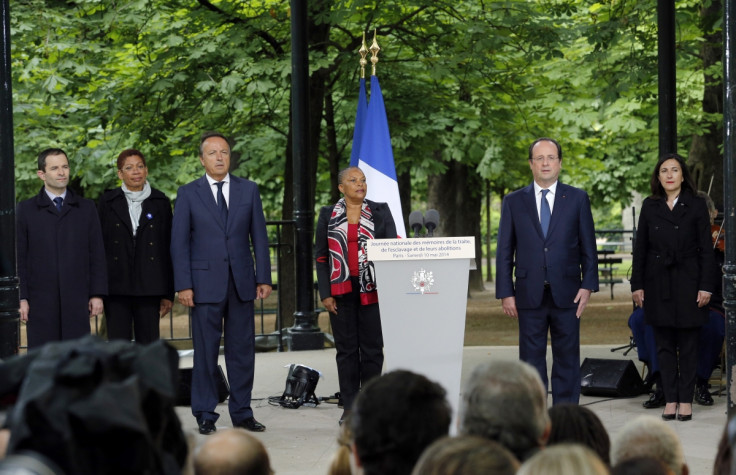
[468,81]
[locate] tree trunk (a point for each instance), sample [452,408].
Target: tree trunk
[456,195]
[705,157]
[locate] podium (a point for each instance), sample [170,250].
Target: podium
[422,295]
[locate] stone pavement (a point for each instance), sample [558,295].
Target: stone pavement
[302,441]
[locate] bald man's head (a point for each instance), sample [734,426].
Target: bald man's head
[232,452]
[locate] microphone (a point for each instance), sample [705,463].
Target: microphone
[416,221]
[431,221]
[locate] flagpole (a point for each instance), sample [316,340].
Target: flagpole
[363,53]
[375,156]
[374,53]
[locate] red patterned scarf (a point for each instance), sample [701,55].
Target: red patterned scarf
[337,241]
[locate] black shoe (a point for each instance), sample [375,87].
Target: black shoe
[702,395]
[682,418]
[669,417]
[655,400]
[206,427]
[252,425]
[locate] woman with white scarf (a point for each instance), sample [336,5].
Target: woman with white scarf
[136,229]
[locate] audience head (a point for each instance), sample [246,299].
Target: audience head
[724,456]
[505,401]
[394,418]
[340,464]
[644,465]
[578,424]
[232,452]
[564,459]
[649,436]
[466,455]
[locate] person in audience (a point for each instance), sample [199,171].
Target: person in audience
[644,465]
[340,464]
[466,455]
[505,401]
[88,406]
[724,456]
[564,459]
[649,436]
[232,452]
[573,423]
[394,418]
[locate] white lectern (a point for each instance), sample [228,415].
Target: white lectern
[422,294]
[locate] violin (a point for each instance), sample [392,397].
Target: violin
[719,237]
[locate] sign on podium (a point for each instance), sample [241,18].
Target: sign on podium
[422,294]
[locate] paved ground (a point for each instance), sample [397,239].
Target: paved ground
[302,441]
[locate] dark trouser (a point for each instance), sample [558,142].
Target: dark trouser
[709,345]
[359,343]
[564,330]
[207,328]
[677,353]
[124,314]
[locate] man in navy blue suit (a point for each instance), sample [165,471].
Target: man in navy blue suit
[216,220]
[546,239]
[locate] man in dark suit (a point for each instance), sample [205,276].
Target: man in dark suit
[61,257]
[547,234]
[216,220]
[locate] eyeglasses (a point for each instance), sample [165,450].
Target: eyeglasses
[549,158]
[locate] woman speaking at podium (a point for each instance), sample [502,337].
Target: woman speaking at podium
[347,284]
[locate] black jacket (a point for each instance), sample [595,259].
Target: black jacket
[673,260]
[140,265]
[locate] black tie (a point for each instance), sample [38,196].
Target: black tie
[58,200]
[221,202]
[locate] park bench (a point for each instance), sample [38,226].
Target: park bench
[606,268]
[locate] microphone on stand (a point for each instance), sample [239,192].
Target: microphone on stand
[416,221]
[431,221]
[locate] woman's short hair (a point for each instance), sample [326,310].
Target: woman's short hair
[129,152]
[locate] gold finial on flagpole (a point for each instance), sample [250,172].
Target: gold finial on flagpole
[374,52]
[363,53]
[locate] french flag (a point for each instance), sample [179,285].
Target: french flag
[375,156]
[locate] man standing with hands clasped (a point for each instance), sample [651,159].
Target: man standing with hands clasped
[61,257]
[547,234]
[216,220]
